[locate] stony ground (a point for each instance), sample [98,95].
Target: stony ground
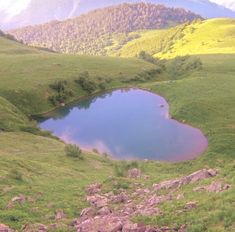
[113,212]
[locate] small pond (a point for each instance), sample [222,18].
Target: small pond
[127,124]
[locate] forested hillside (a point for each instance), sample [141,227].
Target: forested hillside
[93,32]
[37,12]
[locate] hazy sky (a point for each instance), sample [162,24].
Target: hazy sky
[228,3]
[13,7]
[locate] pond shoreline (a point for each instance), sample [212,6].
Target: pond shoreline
[83,97]
[187,141]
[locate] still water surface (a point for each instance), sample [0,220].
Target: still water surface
[128,124]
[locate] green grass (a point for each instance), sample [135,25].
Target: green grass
[25,76]
[38,167]
[205,100]
[214,36]
[10,117]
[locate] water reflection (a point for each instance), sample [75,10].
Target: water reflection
[131,124]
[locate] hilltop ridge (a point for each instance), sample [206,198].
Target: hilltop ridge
[92,32]
[36,12]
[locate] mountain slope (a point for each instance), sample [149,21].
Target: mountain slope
[38,70]
[205,8]
[37,12]
[214,36]
[39,181]
[92,32]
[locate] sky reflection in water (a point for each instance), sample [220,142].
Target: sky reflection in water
[128,124]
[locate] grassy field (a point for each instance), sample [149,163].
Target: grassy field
[214,36]
[206,100]
[26,73]
[37,166]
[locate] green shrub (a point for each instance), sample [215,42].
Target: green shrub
[102,86]
[62,92]
[72,150]
[121,168]
[16,175]
[59,86]
[182,66]
[86,83]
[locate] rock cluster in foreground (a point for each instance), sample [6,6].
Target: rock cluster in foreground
[109,212]
[112,213]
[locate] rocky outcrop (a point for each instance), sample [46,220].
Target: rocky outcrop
[134,173]
[120,224]
[34,228]
[94,188]
[191,205]
[20,199]
[217,186]
[4,228]
[194,177]
[111,212]
[59,215]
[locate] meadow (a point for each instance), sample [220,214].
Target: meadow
[36,166]
[213,36]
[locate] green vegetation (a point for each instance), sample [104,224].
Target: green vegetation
[73,151]
[36,165]
[214,36]
[31,84]
[62,93]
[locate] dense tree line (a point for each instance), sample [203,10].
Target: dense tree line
[92,33]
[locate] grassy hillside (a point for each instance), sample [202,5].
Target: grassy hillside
[10,117]
[214,36]
[27,73]
[37,167]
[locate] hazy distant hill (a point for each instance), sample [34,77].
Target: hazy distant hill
[91,33]
[38,12]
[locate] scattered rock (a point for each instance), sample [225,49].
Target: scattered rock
[191,205]
[58,226]
[104,224]
[148,211]
[98,201]
[183,228]
[144,201]
[180,196]
[217,186]
[134,173]
[104,211]
[88,213]
[120,198]
[34,228]
[93,189]
[19,199]
[155,200]
[4,228]
[130,227]
[59,215]
[194,177]
[201,175]
[128,210]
